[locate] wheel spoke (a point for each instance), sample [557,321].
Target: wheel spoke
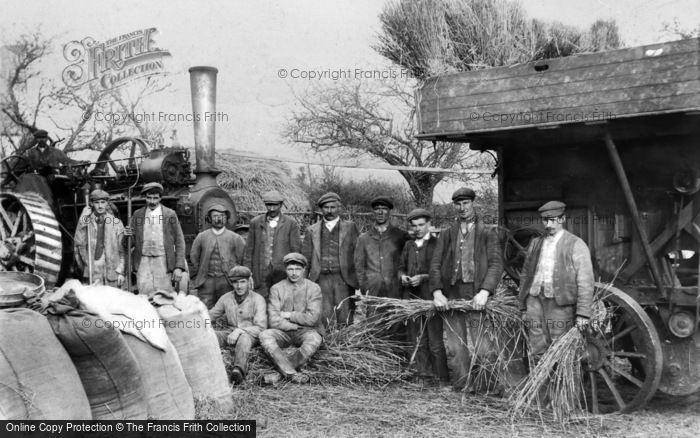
[629,354]
[18,220]
[613,388]
[26,260]
[594,392]
[5,222]
[624,374]
[622,334]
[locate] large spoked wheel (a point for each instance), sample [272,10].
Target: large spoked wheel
[623,364]
[30,238]
[105,161]
[515,249]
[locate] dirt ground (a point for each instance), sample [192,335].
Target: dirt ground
[407,410]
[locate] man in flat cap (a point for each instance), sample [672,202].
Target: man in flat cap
[378,251]
[294,312]
[414,269]
[239,317]
[270,237]
[467,264]
[215,251]
[159,244]
[329,245]
[556,284]
[103,232]
[44,157]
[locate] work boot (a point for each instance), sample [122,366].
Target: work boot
[297,359]
[237,376]
[280,359]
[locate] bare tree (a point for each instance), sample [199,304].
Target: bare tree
[356,120]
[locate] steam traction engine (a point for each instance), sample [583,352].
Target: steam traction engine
[39,213]
[615,136]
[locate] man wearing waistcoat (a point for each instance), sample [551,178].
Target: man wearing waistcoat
[378,251]
[556,284]
[467,264]
[329,245]
[270,237]
[159,244]
[214,253]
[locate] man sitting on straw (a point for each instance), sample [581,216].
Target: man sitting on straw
[467,258]
[245,318]
[413,274]
[294,311]
[556,284]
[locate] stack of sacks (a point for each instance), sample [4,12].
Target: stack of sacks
[37,378]
[187,323]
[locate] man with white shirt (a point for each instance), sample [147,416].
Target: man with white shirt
[414,268]
[214,253]
[159,244]
[329,245]
[271,236]
[556,284]
[467,264]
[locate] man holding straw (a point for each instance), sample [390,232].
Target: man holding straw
[556,284]
[467,264]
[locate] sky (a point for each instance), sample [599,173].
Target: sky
[252,42]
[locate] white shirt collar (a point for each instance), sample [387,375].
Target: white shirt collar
[156,212]
[218,232]
[331,224]
[421,241]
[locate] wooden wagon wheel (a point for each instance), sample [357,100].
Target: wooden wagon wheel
[516,242]
[30,239]
[623,361]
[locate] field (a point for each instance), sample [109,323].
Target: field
[409,410]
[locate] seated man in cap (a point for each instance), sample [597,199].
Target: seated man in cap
[159,244]
[244,317]
[329,245]
[294,312]
[103,232]
[378,251]
[214,253]
[556,284]
[270,237]
[414,269]
[46,159]
[467,264]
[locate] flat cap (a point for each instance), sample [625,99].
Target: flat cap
[241,227]
[238,272]
[152,186]
[552,209]
[328,197]
[463,193]
[295,257]
[272,197]
[418,212]
[40,133]
[98,194]
[218,207]
[382,200]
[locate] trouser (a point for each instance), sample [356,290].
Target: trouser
[426,335]
[306,340]
[99,273]
[546,321]
[244,346]
[152,275]
[335,291]
[212,289]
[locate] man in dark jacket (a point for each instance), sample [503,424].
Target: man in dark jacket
[378,251]
[556,284]
[329,245]
[215,251]
[467,264]
[413,274]
[159,245]
[271,236]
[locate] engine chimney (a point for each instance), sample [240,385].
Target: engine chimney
[203,86]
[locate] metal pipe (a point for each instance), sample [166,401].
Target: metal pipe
[634,211]
[203,88]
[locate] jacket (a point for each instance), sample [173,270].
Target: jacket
[377,258]
[312,250]
[113,250]
[303,299]
[572,278]
[250,315]
[415,261]
[173,239]
[287,240]
[488,258]
[231,247]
